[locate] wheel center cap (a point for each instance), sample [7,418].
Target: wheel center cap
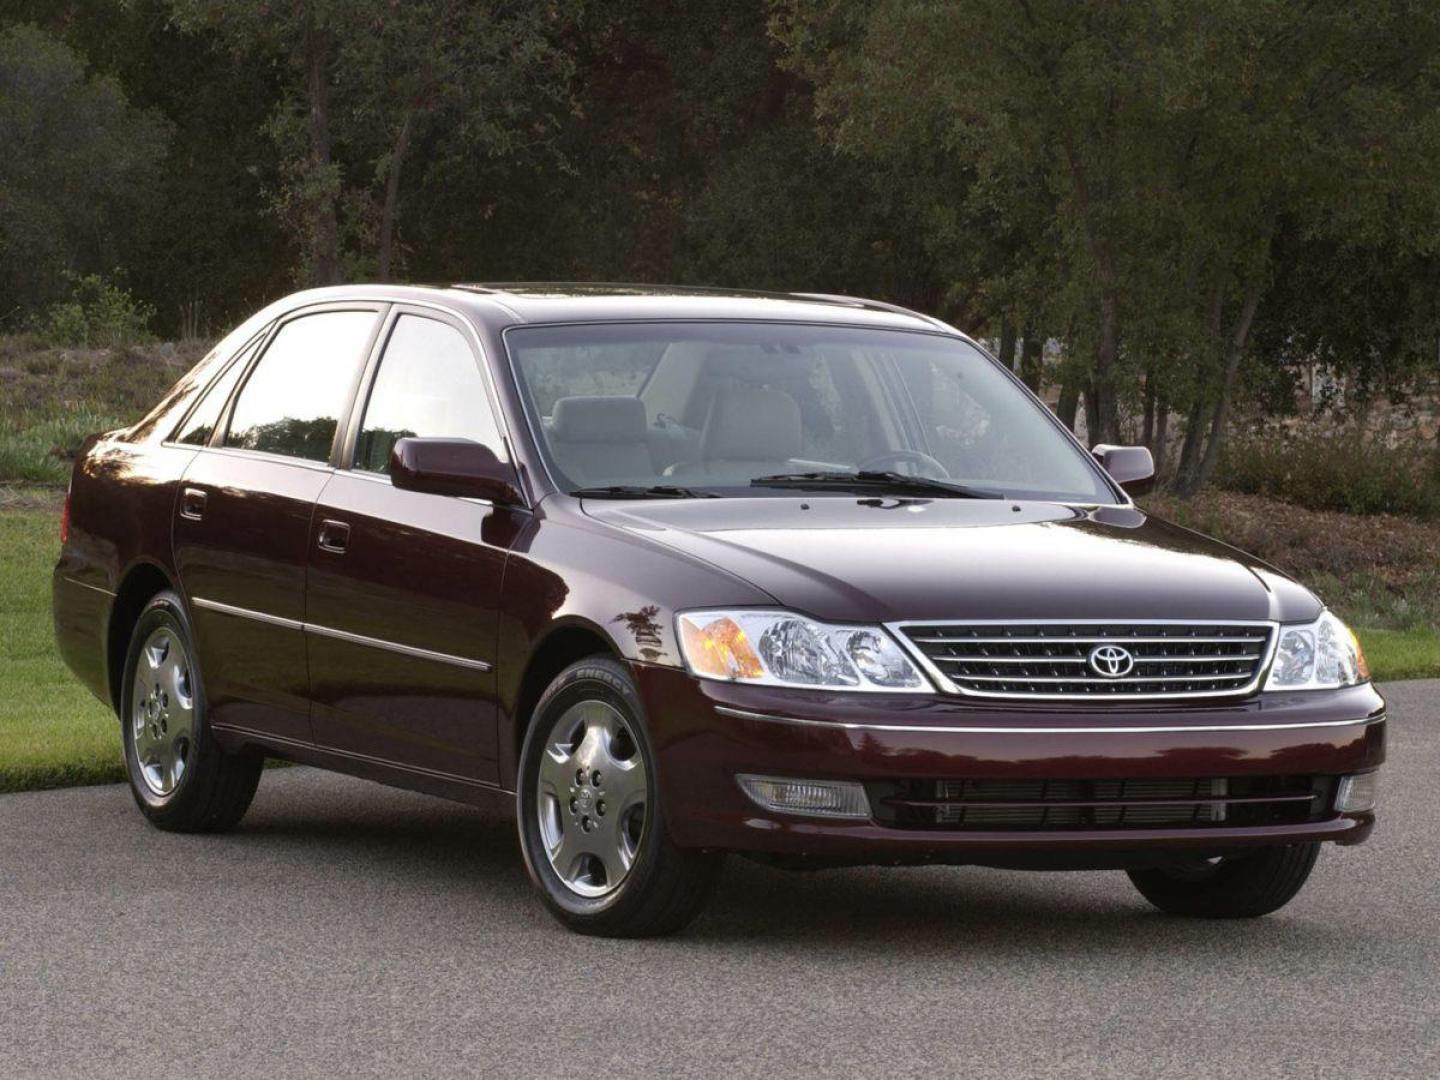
[585,800]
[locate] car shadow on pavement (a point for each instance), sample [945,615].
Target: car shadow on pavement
[448,851]
[973,909]
[422,843]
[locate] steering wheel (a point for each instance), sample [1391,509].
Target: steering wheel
[926,463]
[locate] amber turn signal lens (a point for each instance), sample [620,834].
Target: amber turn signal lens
[720,648]
[1362,666]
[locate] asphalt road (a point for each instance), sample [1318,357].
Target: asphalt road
[348,929]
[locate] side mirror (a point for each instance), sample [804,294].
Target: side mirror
[461,467]
[1131,467]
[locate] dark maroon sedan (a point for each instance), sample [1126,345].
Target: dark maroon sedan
[677,573]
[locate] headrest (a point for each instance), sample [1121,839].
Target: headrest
[750,423]
[598,419]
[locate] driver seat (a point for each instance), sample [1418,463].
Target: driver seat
[749,431]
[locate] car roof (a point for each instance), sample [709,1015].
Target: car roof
[501,305]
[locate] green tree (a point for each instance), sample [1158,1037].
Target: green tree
[1141,159]
[366,80]
[208,253]
[77,174]
[484,87]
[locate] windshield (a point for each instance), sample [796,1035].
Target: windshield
[716,408]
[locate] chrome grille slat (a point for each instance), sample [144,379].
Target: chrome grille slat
[1083,640]
[1102,682]
[1080,659]
[1051,660]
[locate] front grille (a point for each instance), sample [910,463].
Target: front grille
[1100,804]
[1059,660]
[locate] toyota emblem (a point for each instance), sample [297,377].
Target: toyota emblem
[1111,661]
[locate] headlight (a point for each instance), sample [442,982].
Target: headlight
[780,648]
[1320,655]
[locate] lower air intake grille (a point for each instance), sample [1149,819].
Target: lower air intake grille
[1075,660]
[1100,804]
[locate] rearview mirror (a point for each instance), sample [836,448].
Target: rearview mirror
[1131,467]
[460,467]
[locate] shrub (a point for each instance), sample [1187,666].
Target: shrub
[41,451]
[1344,471]
[99,314]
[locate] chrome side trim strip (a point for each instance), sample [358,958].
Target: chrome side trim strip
[86,585]
[281,741]
[341,635]
[848,725]
[246,613]
[396,647]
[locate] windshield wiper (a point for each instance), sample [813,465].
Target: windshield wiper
[641,491]
[872,481]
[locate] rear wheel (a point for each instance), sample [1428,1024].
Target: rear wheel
[1231,887]
[591,824]
[181,778]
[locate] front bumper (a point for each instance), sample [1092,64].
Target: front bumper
[705,733]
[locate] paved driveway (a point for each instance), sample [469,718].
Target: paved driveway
[348,929]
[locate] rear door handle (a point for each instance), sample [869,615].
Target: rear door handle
[334,535]
[192,504]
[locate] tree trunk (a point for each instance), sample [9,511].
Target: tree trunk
[1162,434]
[392,193]
[1093,423]
[1185,475]
[1233,357]
[324,255]
[1102,383]
[1107,415]
[1147,426]
[1069,402]
[1032,361]
[1007,344]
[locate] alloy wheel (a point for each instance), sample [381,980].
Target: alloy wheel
[591,798]
[162,716]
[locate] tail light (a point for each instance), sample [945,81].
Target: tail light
[65,519]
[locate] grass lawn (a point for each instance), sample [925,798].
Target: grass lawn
[53,732]
[51,398]
[1401,654]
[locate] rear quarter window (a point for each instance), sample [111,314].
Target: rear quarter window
[197,428]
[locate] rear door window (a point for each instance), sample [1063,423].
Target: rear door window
[292,401]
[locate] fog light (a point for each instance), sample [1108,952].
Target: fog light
[1357,793]
[808,798]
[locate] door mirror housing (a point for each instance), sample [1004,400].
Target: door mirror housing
[461,467]
[1131,467]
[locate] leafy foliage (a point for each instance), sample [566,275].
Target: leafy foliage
[98,314]
[78,169]
[1347,471]
[1136,165]
[1197,203]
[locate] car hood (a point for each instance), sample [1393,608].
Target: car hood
[858,559]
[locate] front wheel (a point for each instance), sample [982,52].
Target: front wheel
[182,780]
[1231,887]
[591,824]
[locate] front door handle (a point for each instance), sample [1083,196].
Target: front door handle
[192,504]
[334,535]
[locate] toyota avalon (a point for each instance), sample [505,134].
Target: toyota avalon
[677,574]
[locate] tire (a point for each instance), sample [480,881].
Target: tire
[182,780]
[640,884]
[1233,887]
